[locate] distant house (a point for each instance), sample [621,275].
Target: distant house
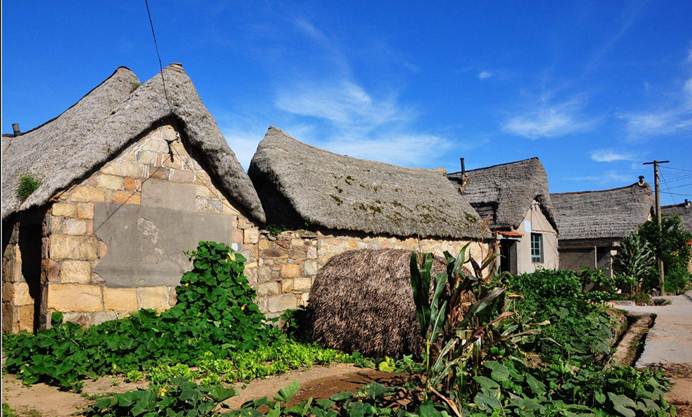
[684,211]
[592,223]
[513,199]
[131,177]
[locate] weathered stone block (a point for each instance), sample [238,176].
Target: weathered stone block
[74,227]
[50,270]
[125,169]
[310,267]
[120,299]
[63,209]
[177,175]
[287,285]
[73,247]
[17,293]
[25,318]
[125,197]
[75,297]
[85,211]
[290,271]
[75,272]
[279,303]
[131,184]
[251,235]
[237,236]
[110,182]
[311,252]
[302,284]
[153,297]
[268,288]
[87,193]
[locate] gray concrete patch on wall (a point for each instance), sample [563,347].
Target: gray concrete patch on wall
[147,245]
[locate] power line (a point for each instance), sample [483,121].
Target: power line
[158,55]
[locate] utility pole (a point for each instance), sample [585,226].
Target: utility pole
[657,192]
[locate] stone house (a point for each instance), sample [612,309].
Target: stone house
[514,199]
[321,204]
[592,223]
[129,181]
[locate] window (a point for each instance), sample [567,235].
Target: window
[536,247]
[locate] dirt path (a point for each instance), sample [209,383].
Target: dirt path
[48,401]
[317,382]
[669,344]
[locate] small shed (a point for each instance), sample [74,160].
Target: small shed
[684,211]
[514,199]
[592,223]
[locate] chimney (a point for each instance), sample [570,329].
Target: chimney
[15,129]
[463,167]
[641,181]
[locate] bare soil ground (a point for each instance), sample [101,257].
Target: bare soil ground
[47,401]
[318,382]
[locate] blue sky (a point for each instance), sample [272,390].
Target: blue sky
[592,88]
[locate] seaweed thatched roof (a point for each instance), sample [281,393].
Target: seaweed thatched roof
[504,193]
[682,210]
[362,301]
[605,214]
[113,115]
[300,184]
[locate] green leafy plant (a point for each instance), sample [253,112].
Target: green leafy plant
[179,398]
[27,185]
[635,259]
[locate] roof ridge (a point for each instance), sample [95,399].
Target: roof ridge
[289,136]
[499,165]
[116,71]
[636,184]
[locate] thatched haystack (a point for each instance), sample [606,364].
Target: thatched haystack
[362,301]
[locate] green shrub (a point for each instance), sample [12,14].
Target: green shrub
[27,185]
[670,244]
[677,280]
[215,313]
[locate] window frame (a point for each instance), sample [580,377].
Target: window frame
[537,248]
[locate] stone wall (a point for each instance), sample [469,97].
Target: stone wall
[289,261]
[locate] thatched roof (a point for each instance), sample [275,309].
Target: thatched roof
[362,301]
[682,210]
[300,184]
[504,193]
[116,113]
[605,214]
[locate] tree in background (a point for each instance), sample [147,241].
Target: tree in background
[670,244]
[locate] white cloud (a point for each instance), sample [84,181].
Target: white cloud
[483,75]
[662,122]
[402,149]
[351,119]
[609,155]
[550,120]
[341,102]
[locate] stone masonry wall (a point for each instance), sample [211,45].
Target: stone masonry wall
[289,261]
[17,303]
[75,250]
